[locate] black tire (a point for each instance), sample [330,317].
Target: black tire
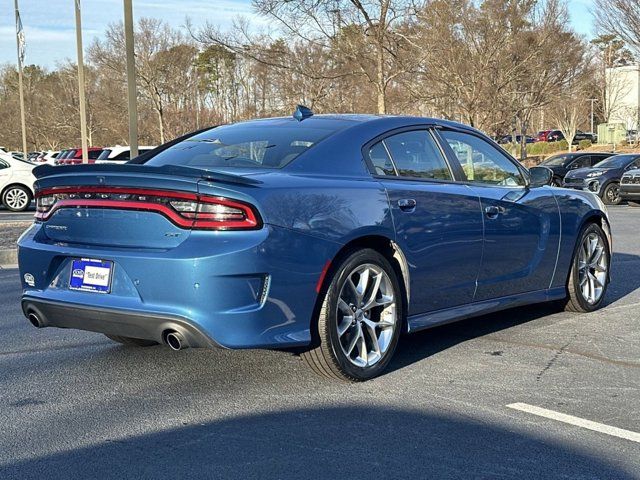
[133,342]
[576,301]
[633,204]
[13,190]
[328,358]
[611,194]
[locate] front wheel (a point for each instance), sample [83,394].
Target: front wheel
[16,198]
[589,277]
[360,320]
[611,194]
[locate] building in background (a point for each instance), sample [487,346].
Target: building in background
[623,103]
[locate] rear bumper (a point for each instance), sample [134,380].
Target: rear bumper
[252,289]
[133,324]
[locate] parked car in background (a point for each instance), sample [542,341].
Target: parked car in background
[580,136]
[509,139]
[630,187]
[555,136]
[47,156]
[603,178]
[16,183]
[541,136]
[564,162]
[17,155]
[632,136]
[329,235]
[74,156]
[63,155]
[119,154]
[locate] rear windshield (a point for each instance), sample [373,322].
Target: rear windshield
[617,161]
[250,145]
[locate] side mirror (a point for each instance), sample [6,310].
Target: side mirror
[540,176]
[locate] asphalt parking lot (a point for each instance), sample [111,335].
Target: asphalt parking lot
[75,405]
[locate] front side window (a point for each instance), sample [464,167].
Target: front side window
[481,161]
[414,154]
[3,165]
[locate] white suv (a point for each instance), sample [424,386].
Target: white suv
[16,183]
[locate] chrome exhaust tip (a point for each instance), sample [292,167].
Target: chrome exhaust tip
[176,341]
[35,320]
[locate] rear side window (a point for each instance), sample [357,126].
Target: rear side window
[243,145]
[105,154]
[414,154]
[582,162]
[123,156]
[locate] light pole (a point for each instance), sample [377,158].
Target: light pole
[81,100]
[21,46]
[592,100]
[131,79]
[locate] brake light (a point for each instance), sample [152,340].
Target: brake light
[186,210]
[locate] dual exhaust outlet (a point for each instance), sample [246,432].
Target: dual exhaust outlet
[175,340]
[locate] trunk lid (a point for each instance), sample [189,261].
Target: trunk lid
[122,206]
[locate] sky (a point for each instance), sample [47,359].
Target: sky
[49,25]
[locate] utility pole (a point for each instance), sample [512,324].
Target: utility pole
[131,78]
[21,50]
[83,113]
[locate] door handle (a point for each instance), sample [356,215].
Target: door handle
[407,204]
[493,211]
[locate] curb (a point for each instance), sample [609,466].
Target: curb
[8,258]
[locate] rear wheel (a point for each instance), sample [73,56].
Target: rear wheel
[360,320]
[589,277]
[611,194]
[16,198]
[136,342]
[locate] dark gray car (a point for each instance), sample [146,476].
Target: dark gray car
[603,178]
[565,162]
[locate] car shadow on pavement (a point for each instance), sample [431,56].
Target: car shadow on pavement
[420,345]
[336,442]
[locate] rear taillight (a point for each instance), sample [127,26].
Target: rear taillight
[187,210]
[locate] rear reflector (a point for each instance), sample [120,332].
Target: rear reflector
[186,210]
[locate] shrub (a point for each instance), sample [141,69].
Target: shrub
[582,144]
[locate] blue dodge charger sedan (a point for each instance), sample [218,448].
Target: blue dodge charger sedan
[327,235]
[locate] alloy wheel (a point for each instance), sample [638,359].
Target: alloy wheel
[16,199]
[593,265]
[613,194]
[367,315]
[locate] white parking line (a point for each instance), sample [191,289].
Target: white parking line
[578,422]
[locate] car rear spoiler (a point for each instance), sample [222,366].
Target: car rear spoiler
[47,170]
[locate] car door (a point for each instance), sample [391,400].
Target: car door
[438,222]
[5,173]
[521,224]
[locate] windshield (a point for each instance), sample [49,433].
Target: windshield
[617,161]
[245,145]
[558,160]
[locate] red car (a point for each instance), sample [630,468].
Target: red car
[543,135]
[74,156]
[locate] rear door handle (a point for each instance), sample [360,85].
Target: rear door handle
[493,211]
[407,204]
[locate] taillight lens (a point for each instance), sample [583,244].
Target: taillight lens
[187,210]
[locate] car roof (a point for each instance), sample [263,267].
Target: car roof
[342,121]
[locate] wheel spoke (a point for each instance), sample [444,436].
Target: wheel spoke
[363,283]
[370,301]
[344,325]
[354,340]
[344,307]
